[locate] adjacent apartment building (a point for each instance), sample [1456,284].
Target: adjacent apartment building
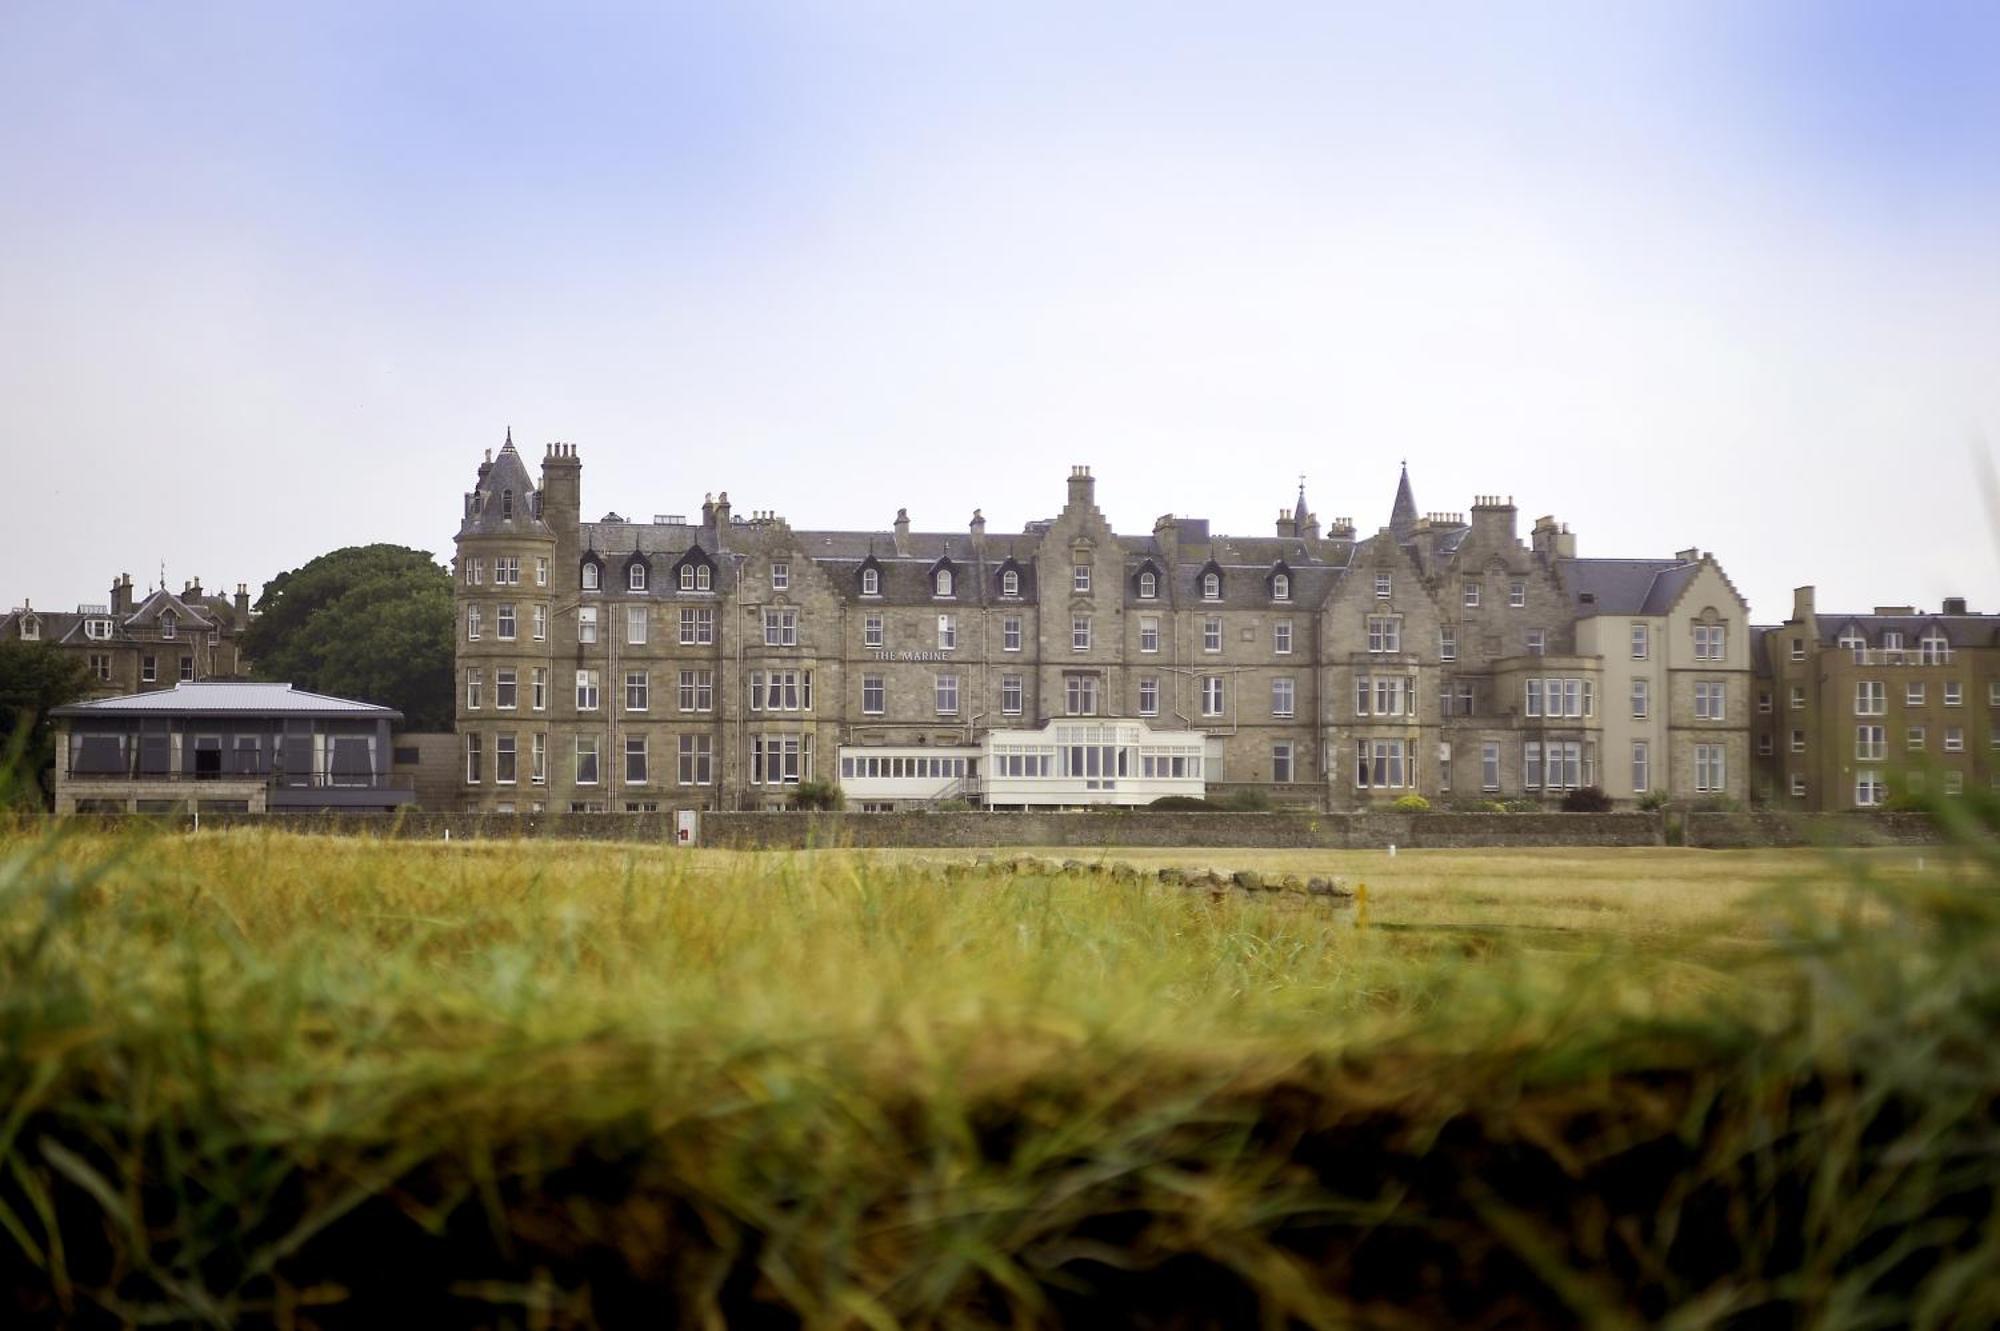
[138,645]
[1850,706]
[717,660]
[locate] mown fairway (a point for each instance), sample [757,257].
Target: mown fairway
[323,1081]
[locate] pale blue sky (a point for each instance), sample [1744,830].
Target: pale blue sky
[272,276]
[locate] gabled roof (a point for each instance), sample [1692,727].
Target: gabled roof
[228,699]
[159,603]
[1625,586]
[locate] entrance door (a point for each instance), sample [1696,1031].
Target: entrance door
[207,757]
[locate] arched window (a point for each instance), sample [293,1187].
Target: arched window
[1010,583]
[871,582]
[1149,584]
[703,578]
[635,577]
[589,576]
[1281,587]
[506,503]
[687,577]
[1211,586]
[168,625]
[944,582]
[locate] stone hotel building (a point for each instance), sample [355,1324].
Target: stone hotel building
[716,660]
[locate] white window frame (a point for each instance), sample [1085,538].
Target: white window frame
[635,577]
[1284,698]
[1281,637]
[1211,634]
[1213,700]
[781,577]
[1149,634]
[871,582]
[947,637]
[1011,695]
[874,695]
[1149,695]
[871,630]
[1079,633]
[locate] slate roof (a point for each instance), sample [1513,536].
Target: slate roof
[148,611]
[227,699]
[1625,586]
[483,514]
[1958,630]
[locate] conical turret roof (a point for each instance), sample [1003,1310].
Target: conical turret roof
[502,501]
[1403,514]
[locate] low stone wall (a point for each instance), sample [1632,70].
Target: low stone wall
[1320,831]
[1136,828]
[1742,831]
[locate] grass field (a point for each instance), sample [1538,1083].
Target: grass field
[320,1081]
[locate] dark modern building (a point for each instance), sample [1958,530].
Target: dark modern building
[227,748]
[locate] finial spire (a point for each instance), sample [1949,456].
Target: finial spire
[1403,516]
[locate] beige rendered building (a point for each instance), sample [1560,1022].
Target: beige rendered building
[716,660]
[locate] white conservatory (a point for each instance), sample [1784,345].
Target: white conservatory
[1065,763]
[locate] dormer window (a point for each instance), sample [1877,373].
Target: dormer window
[590,575]
[1211,586]
[944,582]
[687,577]
[871,582]
[506,503]
[31,629]
[704,578]
[168,627]
[1933,649]
[635,578]
[97,628]
[1010,583]
[1281,586]
[1149,585]
[1892,640]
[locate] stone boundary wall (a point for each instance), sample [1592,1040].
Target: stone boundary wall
[796,831]
[1134,828]
[1312,831]
[1744,831]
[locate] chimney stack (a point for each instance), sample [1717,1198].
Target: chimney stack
[1802,603]
[1082,490]
[1954,605]
[242,605]
[902,531]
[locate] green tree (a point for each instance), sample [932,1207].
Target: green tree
[34,677]
[372,622]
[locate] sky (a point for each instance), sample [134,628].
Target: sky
[272,277]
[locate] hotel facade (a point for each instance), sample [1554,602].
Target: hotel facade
[717,661]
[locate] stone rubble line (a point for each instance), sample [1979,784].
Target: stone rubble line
[1119,871]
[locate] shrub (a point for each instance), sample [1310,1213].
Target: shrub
[820,795]
[1653,801]
[953,806]
[1488,806]
[1182,804]
[1412,804]
[1716,804]
[1586,799]
[1521,806]
[1251,800]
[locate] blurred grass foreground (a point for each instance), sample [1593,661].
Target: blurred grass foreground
[254,1078]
